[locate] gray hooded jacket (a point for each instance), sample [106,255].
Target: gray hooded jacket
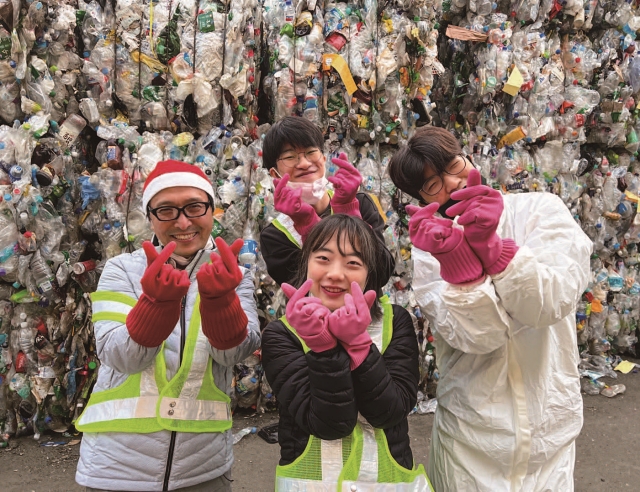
[123,461]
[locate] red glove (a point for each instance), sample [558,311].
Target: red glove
[350,322]
[309,317]
[480,209]
[289,202]
[346,183]
[224,322]
[458,263]
[156,313]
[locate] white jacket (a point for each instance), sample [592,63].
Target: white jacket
[121,461]
[509,403]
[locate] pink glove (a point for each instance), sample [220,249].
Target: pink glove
[309,317]
[458,263]
[346,183]
[480,209]
[289,202]
[350,322]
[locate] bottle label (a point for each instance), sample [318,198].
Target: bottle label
[5,48]
[45,286]
[67,136]
[206,23]
[616,283]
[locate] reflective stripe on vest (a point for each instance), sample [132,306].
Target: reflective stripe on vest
[148,402]
[284,224]
[368,465]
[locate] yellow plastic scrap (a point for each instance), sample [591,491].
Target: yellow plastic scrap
[631,197]
[514,83]
[339,65]
[512,137]
[153,64]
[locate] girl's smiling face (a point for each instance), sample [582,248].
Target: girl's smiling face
[332,268]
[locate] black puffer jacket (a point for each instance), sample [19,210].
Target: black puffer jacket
[283,257]
[318,394]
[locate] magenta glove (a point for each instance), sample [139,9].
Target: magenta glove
[458,263]
[480,209]
[346,183]
[289,202]
[309,317]
[350,322]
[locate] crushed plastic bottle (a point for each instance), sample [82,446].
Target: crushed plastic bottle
[243,432]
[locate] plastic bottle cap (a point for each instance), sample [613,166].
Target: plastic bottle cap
[92,365]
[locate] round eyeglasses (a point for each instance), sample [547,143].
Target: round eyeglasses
[434,184]
[291,159]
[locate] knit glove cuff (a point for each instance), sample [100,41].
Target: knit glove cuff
[320,342]
[352,208]
[509,250]
[224,322]
[460,265]
[151,322]
[358,349]
[304,227]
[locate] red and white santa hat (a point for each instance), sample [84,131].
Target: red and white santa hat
[170,174]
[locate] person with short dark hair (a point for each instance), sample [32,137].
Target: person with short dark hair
[499,286]
[344,369]
[292,152]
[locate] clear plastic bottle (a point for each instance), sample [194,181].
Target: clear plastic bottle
[249,253]
[241,433]
[45,280]
[71,129]
[612,325]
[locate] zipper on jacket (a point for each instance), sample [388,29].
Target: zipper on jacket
[183,329]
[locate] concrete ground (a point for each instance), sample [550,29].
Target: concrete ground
[606,451]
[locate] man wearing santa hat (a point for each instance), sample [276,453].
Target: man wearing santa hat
[170,323]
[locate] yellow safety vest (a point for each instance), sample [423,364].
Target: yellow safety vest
[148,402]
[360,462]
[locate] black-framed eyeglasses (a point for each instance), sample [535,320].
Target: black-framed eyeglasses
[434,184]
[191,211]
[292,159]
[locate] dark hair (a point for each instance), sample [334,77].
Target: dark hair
[361,238]
[430,146]
[293,130]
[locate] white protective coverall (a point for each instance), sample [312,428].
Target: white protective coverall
[509,403]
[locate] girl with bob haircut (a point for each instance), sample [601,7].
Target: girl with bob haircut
[344,368]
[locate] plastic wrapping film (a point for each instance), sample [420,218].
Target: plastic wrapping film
[541,94]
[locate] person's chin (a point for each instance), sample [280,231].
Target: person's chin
[331,303]
[190,247]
